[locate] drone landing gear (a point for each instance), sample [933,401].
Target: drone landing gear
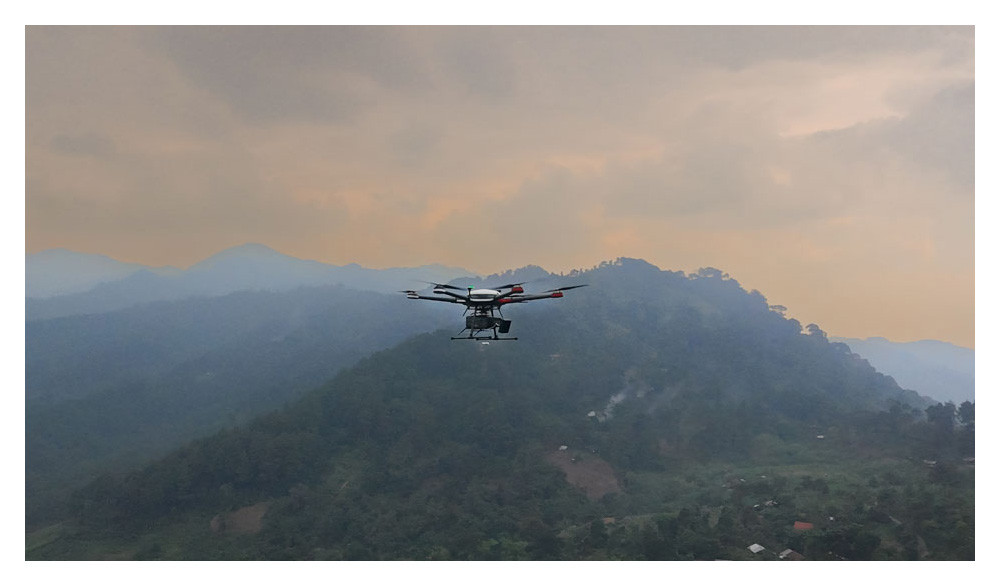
[484,338]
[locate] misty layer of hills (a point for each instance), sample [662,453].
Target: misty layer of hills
[114,389]
[63,272]
[939,370]
[61,283]
[442,449]
[111,388]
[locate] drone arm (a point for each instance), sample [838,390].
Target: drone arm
[413,295]
[523,298]
[456,297]
[553,294]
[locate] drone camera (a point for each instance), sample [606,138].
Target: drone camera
[481,322]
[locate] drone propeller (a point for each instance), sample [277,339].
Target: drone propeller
[565,288]
[508,286]
[444,286]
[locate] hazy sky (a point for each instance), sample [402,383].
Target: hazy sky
[829,168]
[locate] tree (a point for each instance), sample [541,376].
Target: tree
[814,330]
[598,536]
[967,413]
[942,417]
[712,273]
[967,435]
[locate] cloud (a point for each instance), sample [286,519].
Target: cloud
[86,144]
[767,152]
[280,74]
[938,133]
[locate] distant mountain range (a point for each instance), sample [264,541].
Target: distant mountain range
[61,282]
[940,370]
[58,271]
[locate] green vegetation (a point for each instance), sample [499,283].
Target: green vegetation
[107,392]
[707,406]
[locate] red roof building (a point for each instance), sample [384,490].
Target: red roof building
[802,526]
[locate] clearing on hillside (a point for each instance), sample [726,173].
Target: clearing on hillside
[586,471]
[242,521]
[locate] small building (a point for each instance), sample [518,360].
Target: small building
[791,554]
[802,526]
[756,548]
[563,448]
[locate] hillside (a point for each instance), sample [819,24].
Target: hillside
[939,370]
[107,391]
[653,415]
[58,271]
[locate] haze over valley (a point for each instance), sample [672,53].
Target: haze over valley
[97,284]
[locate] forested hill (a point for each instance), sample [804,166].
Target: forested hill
[645,397]
[108,391]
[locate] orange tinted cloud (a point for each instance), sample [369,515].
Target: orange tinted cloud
[796,159]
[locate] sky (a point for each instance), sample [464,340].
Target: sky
[830,168]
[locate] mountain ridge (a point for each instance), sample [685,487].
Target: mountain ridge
[245,267]
[60,271]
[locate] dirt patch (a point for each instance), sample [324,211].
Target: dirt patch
[241,521]
[586,471]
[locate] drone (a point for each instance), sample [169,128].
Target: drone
[482,306]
